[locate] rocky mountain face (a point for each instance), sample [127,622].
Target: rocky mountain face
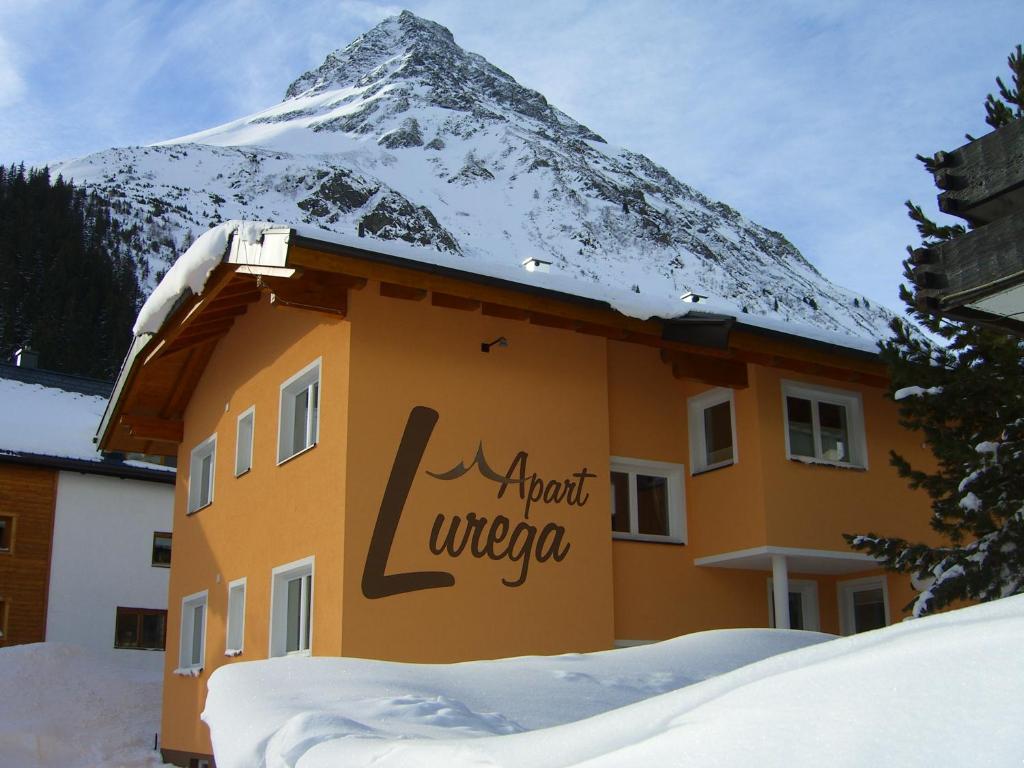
[402,135]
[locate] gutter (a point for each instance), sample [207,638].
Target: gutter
[85,466]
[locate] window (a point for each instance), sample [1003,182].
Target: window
[300,412]
[803,604]
[162,549]
[193,632]
[824,425]
[243,443]
[647,500]
[712,427]
[6,533]
[140,628]
[291,608]
[200,474]
[236,617]
[3,620]
[863,605]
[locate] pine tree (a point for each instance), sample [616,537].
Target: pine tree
[966,397]
[68,286]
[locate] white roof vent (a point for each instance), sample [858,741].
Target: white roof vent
[693,298]
[537,265]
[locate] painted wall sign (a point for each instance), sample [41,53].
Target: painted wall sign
[495,539]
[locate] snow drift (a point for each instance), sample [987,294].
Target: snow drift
[943,690]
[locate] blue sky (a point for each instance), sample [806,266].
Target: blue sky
[805,115]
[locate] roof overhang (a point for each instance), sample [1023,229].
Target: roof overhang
[146,410]
[798,560]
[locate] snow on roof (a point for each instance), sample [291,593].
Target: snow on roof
[942,690]
[48,421]
[194,267]
[191,271]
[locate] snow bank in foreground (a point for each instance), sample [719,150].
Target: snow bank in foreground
[63,706]
[272,713]
[944,690]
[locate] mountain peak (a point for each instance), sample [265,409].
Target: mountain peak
[403,135]
[394,37]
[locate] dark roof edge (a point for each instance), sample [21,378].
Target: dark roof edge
[437,269]
[824,346]
[107,468]
[690,320]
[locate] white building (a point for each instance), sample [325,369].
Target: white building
[85,539]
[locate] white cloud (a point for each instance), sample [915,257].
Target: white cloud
[12,85]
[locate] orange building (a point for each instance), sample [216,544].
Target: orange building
[383,458]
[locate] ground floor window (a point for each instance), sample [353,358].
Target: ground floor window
[803,604]
[3,620]
[142,629]
[863,605]
[236,617]
[291,609]
[193,632]
[6,532]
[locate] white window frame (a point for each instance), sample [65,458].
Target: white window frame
[235,649]
[188,605]
[301,381]
[846,590]
[808,591]
[695,408]
[248,413]
[854,422]
[279,579]
[674,473]
[206,447]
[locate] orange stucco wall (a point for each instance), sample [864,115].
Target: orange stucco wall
[267,517]
[544,394]
[554,404]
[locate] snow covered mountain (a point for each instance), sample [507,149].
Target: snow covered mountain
[403,135]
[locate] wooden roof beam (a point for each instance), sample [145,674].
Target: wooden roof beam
[154,428]
[716,371]
[407,292]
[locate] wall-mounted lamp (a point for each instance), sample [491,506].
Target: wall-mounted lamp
[692,298]
[537,265]
[501,341]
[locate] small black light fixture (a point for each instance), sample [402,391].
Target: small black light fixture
[501,341]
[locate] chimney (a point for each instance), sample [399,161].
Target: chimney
[26,358]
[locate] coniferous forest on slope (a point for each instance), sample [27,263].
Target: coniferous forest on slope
[68,283]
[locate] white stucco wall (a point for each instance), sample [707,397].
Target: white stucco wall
[102,558]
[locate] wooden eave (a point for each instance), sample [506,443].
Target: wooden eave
[159,380]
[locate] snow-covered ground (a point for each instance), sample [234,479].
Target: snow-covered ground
[944,690]
[62,706]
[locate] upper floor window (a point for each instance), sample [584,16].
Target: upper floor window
[6,532]
[243,442]
[712,427]
[647,500]
[200,474]
[300,412]
[162,549]
[824,425]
